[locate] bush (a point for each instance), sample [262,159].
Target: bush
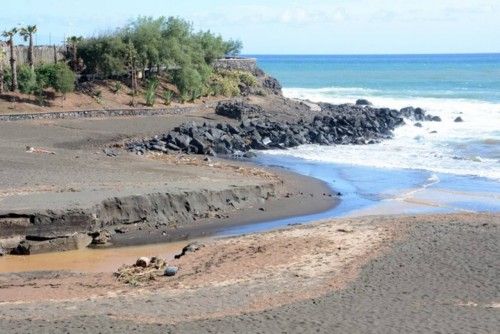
[7,79]
[65,79]
[228,83]
[247,78]
[26,79]
[167,96]
[58,76]
[46,75]
[117,87]
[150,94]
[188,80]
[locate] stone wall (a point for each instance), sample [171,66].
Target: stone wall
[104,113]
[242,64]
[42,54]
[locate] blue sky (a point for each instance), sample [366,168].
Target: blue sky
[287,27]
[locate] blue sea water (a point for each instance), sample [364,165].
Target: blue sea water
[464,76]
[440,167]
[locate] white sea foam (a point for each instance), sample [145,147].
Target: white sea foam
[443,147]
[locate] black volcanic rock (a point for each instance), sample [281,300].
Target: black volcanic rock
[237,110]
[273,85]
[334,125]
[363,102]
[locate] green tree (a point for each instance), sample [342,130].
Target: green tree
[10,34]
[73,42]
[105,56]
[233,47]
[146,35]
[27,33]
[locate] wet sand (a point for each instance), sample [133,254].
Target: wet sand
[434,273]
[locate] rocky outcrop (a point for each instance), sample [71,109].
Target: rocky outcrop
[336,124]
[272,85]
[238,110]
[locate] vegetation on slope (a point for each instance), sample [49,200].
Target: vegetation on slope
[162,57]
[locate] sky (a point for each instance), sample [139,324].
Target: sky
[285,27]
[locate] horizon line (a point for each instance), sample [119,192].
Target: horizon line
[372,54]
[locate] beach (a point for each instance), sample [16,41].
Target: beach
[299,231]
[374,274]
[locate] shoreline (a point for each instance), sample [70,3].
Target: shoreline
[80,175]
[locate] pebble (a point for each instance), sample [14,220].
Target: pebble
[171,271]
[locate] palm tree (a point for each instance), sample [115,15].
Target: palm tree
[2,57]
[27,33]
[73,41]
[9,34]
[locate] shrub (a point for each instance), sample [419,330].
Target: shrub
[226,83]
[188,80]
[26,79]
[7,79]
[58,76]
[117,87]
[150,94]
[184,97]
[65,79]
[46,75]
[167,96]
[40,95]
[247,78]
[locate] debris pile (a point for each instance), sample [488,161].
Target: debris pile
[144,270]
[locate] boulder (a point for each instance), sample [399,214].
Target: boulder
[458,119]
[363,102]
[237,109]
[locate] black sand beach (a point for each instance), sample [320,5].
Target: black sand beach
[424,274]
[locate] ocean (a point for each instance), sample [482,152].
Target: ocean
[442,166]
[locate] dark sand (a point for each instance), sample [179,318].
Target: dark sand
[418,274]
[81,175]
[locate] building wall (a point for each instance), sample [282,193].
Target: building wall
[42,54]
[242,64]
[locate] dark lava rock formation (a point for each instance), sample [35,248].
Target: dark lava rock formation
[335,125]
